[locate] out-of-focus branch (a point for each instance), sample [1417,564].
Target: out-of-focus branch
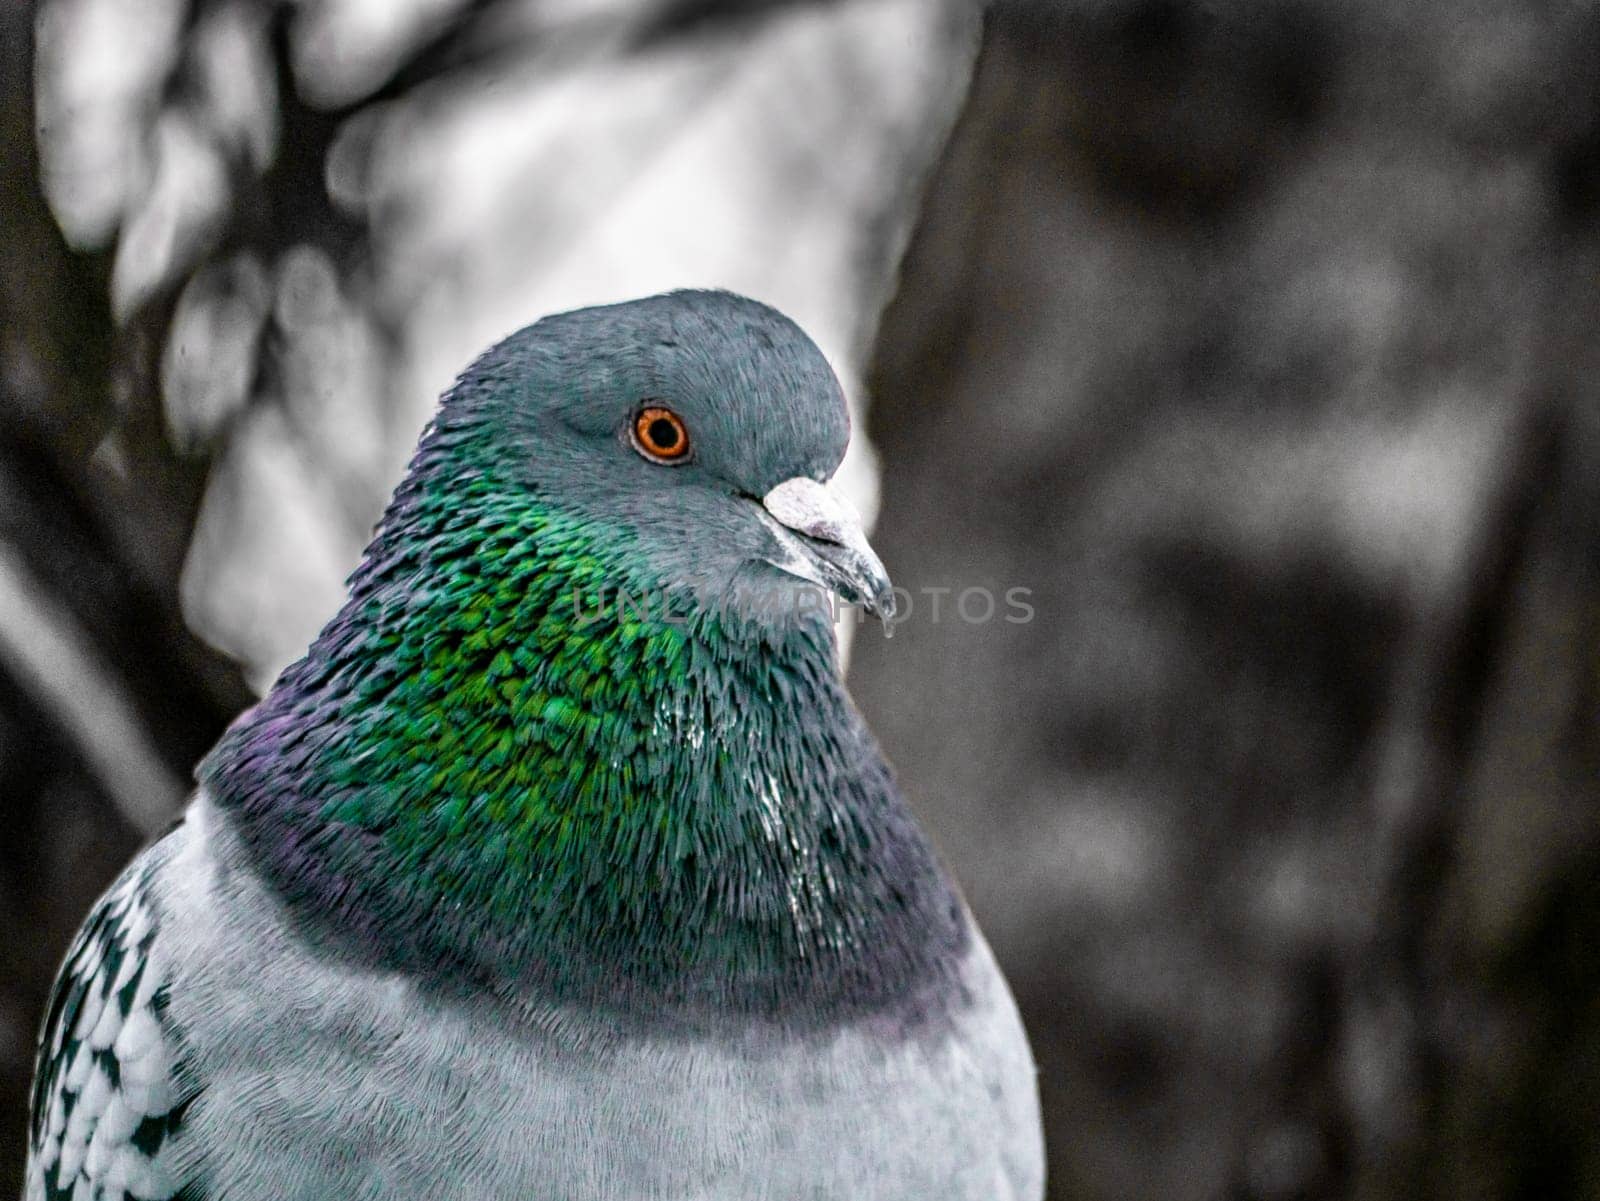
[672,20]
[40,647]
[465,41]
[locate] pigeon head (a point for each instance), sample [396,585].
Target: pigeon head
[698,429]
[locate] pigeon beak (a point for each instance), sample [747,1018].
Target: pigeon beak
[832,546]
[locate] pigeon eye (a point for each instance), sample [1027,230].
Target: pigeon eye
[660,435]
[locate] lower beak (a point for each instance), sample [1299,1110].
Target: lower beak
[826,534]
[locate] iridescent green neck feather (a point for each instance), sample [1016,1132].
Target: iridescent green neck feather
[487,767]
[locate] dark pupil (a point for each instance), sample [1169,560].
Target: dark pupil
[663,433]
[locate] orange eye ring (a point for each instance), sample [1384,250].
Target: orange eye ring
[660,435]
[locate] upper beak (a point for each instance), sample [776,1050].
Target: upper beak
[833,544]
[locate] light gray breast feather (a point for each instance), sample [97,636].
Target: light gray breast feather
[321,1079]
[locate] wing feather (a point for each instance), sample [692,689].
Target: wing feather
[104,1106]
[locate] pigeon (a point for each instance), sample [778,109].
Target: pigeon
[562,865]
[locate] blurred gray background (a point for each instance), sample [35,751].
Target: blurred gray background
[1260,341]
